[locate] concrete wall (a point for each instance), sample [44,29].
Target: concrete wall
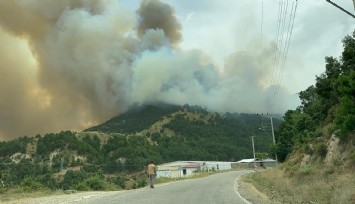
[215,166]
[175,171]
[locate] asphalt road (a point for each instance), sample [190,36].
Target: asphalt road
[219,189]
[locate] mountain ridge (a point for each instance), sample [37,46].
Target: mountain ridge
[122,146]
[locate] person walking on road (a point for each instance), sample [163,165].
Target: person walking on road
[151,173]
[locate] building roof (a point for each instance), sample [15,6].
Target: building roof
[256,160]
[246,161]
[191,164]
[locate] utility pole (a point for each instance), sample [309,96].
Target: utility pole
[273,137]
[272,131]
[252,141]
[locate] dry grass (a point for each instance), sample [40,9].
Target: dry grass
[315,187]
[18,193]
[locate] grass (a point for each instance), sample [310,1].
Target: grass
[20,193]
[318,186]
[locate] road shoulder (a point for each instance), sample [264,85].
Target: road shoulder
[250,193]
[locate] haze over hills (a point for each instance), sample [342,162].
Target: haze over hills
[122,146]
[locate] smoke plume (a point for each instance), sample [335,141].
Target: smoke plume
[71,64]
[156,15]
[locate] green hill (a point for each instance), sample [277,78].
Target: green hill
[113,155]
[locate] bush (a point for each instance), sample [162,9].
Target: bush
[321,150]
[120,181]
[352,159]
[305,170]
[306,149]
[29,184]
[93,183]
[82,187]
[90,168]
[142,183]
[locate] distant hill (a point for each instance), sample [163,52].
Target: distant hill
[136,119]
[113,154]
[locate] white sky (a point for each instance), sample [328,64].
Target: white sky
[222,27]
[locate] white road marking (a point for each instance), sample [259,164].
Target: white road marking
[236,191]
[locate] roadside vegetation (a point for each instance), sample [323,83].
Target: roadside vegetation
[316,142]
[29,188]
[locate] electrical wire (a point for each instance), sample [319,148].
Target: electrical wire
[283,38]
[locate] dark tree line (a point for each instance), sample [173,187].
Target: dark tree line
[330,101]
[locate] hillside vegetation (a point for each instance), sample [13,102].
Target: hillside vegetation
[316,141]
[113,155]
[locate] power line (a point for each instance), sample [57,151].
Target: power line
[283,38]
[291,23]
[336,5]
[278,25]
[261,42]
[279,46]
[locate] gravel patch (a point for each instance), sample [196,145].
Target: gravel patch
[65,198]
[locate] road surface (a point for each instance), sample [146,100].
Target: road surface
[218,188]
[221,188]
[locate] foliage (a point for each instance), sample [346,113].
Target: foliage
[321,150]
[94,161]
[352,159]
[30,184]
[136,119]
[305,170]
[261,155]
[92,183]
[330,101]
[13,146]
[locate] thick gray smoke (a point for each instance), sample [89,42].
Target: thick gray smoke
[70,64]
[156,15]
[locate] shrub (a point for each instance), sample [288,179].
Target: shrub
[82,187]
[352,159]
[142,183]
[95,183]
[120,181]
[29,184]
[306,149]
[321,150]
[305,170]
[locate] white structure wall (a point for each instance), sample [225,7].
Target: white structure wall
[180,169]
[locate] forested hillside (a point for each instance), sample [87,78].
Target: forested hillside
[113,155]
[316,142]
[327,107]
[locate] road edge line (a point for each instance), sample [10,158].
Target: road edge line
[236,186]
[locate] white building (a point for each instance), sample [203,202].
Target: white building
[180,169]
